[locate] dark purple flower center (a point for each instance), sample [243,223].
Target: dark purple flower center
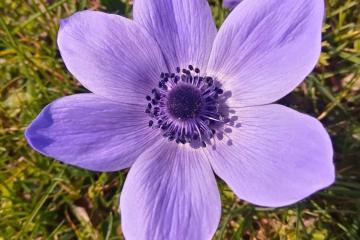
[186,107]
[184,102]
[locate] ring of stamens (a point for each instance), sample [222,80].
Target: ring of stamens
[185,106]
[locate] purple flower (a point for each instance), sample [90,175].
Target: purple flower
[231,3]
[175,100]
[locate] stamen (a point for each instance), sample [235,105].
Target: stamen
[185,107]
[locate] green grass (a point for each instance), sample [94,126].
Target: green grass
[43,199]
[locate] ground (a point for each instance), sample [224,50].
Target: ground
[43,199]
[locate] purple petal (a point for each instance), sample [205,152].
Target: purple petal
[184,29]
[110,55]
[276,157]
[91,132]
[231,3]
[170,193]
[265,49]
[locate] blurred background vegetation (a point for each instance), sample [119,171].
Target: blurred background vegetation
[43,199]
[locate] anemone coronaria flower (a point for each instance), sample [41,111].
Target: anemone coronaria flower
[177,102]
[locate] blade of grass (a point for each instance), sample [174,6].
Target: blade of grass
[39,205]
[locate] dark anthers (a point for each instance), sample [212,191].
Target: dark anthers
[185,106]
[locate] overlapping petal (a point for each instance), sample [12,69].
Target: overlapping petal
[265,49]
[231,3]
[184,29]
[277,157]
[170,193]
[91,132]
[110,55]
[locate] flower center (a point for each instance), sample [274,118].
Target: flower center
[184,102]
[186,107]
